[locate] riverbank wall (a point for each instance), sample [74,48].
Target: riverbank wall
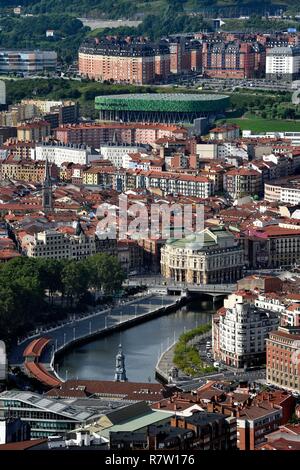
[60,351]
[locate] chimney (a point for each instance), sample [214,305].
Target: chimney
[174,407]
[159,405]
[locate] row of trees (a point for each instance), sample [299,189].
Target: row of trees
[84,91]
[265,105]
[186,356]
[29,288]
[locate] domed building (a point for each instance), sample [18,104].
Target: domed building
[212,256]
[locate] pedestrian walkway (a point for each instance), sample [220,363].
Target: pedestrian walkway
[90,326]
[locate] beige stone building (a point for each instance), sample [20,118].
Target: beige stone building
[211,257]
[56,245]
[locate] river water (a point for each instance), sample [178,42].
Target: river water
[142,345]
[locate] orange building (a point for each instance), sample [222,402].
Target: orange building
[124,62]
[228,60]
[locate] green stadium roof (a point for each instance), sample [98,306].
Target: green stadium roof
[163,102]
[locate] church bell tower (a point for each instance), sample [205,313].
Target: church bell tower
[120,374]
[47,197]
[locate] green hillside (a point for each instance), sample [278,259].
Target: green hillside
[115,9]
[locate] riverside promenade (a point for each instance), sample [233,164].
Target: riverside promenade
[165,362]
[79,330]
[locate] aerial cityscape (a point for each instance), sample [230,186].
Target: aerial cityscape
[149,228]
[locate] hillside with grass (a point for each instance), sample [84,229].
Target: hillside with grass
[115,9]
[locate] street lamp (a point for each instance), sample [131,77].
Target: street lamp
[64,338]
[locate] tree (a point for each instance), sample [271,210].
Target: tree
[105,273]
[74,280]
[50,272]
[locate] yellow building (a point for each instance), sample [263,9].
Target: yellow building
[25,170]
[34,131]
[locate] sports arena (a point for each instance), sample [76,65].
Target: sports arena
[175,108]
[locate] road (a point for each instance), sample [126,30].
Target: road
[95,24]
[249,376]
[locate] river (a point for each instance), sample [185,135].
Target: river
[142,345]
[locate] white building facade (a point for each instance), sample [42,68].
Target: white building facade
[118,154]
[283,63]
[64,153]
[243,329]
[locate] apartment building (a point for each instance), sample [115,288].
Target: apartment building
[19,149]
[35,131]
[253,421]
[228,60]
[124,62]
[211,257]
[55,112]
[26,170]
[272,246]
[95,135]
[290,317]
[59,153]
[242,331]
[116,153]
[177,183]
[100,176]
[283,63]
[283,358]
[286,190]
[56,245]
[228,132]
[212,431]
[242,182]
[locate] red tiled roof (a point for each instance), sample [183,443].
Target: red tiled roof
[242,172]
[114,125]
[280,444]
[275,230]
[23,445]
[129,390]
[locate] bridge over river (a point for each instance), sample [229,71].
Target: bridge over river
[160,284]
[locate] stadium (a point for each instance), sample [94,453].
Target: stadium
[160,108]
